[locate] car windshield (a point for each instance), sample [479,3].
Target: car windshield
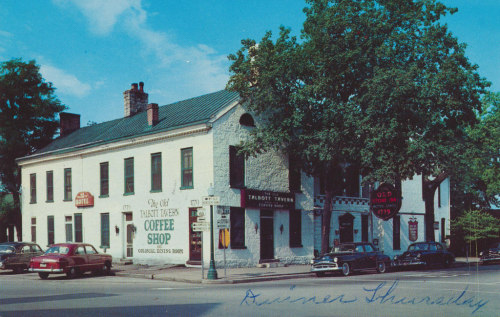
[7,249]
[57,250]
[343,248]
[418,247]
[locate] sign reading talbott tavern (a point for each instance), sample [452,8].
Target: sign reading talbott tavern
[267,199]
[84,199]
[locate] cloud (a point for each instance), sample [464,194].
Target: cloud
[200,65]
[64,82]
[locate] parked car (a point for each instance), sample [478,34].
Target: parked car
[425,254]
[71,259]
[349,257]
[16,256]
[492,254]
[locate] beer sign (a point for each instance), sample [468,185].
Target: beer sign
[385,201]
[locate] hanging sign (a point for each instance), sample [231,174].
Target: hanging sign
[84,199]
[413,229]
[385,201]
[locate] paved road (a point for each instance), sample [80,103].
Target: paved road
[453,292]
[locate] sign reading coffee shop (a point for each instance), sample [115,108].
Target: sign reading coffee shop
[267,199]
[385,201]
[84,199]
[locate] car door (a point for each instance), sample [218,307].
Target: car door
[433,253]
[80,258]
[361,261]
[94,259]
[370,255]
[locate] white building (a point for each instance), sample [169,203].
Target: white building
[133,187]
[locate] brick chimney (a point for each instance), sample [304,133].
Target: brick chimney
[68,122]
[135,100]
[152,114]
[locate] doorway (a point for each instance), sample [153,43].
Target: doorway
[266,235]
[346,225]
[194,239]
[130,234]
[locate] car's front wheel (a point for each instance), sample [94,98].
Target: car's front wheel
[446,263]
[346,269]
[71,273]
[381,267]
[320,274]
[43,275]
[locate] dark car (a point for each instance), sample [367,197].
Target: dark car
[349,257]
[490,255]
[425,254]
[71,259]
[16,256]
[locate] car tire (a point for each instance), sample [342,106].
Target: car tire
[18,270]
[346,269]
[320,274]
[71,273]
[446,263]
[43,275]
[381,267]
[107,268]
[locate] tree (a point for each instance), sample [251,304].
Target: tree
[475,225]
[28,110]
[378,84]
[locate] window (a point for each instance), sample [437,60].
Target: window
[67,184]
[247,120]
[443,230]
[156,172]
[33,229]
[369,248]
[32,188]
[236,168]
[78,228]
[129,176]
[294,175]
[396,233]
[104,176]
[364,228]
[68,225]
[187,168]
[80,250]
[352,181]
[90,249]
[237,218]
[104,230]
[50,230]
[295,229]
[50,186]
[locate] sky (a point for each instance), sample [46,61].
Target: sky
[93,50]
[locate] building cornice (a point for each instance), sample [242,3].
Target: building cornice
[98,147]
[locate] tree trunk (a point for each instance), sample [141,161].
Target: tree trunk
[429,188]
[325,224]
[16,216]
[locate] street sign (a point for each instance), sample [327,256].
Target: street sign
[210,200]
[223,223]
[200,226]
[223,210]
[201,219]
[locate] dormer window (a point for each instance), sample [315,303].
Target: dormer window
[247,120]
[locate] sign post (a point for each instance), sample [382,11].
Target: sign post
[211,200]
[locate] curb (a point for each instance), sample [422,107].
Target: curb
[151,276]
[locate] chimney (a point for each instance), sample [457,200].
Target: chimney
[69,122]
[135,100]
[152,114]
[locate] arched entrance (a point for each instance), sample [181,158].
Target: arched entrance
[346,225]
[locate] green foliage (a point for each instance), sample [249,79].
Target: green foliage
[475,225]
[28,110]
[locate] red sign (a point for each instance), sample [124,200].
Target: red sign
[413,230]
[385,201]
[84,199]
[267,199]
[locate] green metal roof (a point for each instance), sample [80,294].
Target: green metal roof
[176,115]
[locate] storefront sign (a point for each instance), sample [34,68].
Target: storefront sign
[385,201]
[84,199]
[413,229]
[267,199]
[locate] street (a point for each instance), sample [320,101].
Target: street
[461,291]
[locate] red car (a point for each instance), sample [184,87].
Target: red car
[72,259]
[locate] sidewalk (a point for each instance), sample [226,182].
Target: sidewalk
[180,273]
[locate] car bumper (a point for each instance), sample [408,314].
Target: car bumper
[489,259]
[325,267]
[407,263]
[46,270]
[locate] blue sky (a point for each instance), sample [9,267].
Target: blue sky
[92,50]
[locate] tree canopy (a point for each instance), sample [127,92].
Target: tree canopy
[28,110]
[378,84]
